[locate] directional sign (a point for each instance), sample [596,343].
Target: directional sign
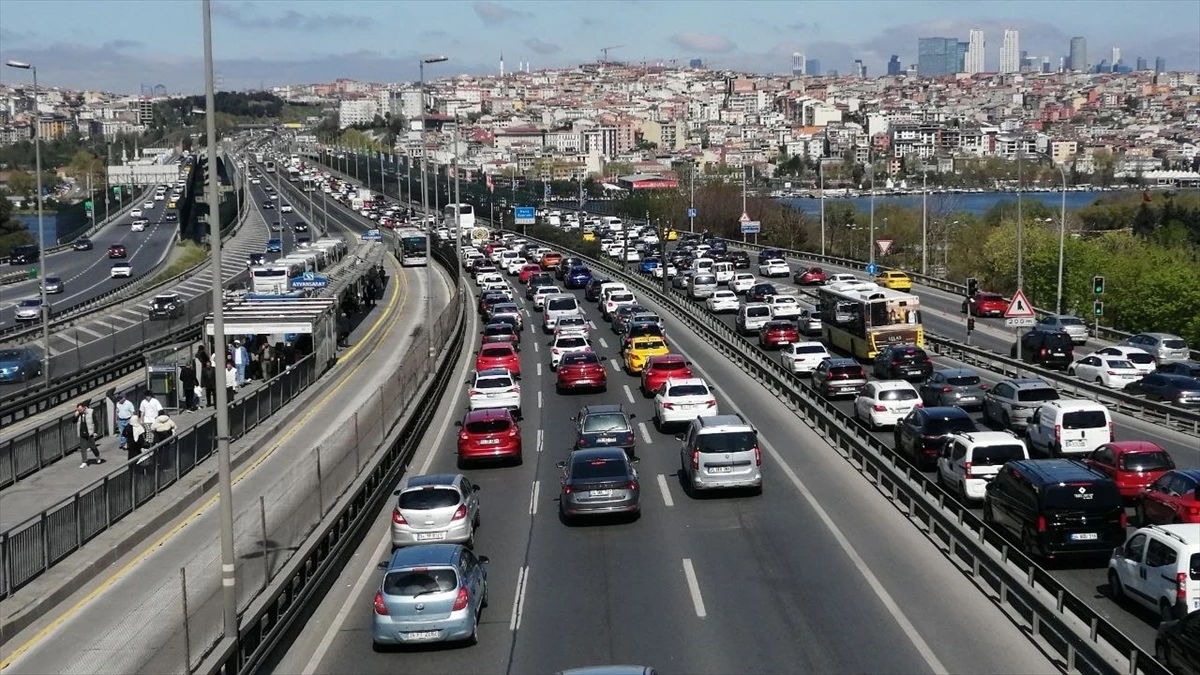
[751,227]
[691,213]
[1019,308]
[1020,322]
[372,235]
[872,269]
[547,189]
[884,245]
[525,215]
[310,280]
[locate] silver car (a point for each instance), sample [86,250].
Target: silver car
[437,508]
[953,387]
[430,594]
[1164,347]
[720,452]
[1065,323]
[598,481]
[1012,402]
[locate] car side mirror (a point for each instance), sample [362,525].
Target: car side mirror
[458,423]
[632,416]
[475,488]
[561,465]
[484,560]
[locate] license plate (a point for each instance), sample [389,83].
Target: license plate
[493,395]
[490,441]
[968,399]
[600,493]
[606,440]
[688,406]
[430,536]
[1084,536]
[1075,444]
[422,635]
[719,469]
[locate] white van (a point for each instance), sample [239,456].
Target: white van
[556,307]
[702,265]
[751,317]
[968,461]
[724,272]
[701,285]
[1069,427]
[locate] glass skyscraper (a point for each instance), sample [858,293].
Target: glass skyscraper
[940,56]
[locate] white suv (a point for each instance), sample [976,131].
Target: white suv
[495,388]
[1159,567]
[784,307]
[683,400]
[970,460]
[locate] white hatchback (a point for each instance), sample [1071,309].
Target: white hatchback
[775,268]
[567,343]
[784,307]
[495,388]
[803,357]
[722,301]
[683,400]
[883,403]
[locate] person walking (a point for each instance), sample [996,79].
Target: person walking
[125,410]
[240,360]
[343,327]
[135,436]
[189,382]
[208,380]
[85,428]
[150,407]
[266,359]
[163,428]
[231,381]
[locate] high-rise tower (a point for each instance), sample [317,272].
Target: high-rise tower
[1078,59]
[798,63]
[1010,52]
[976,46]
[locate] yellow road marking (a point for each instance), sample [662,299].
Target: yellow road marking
[109,582]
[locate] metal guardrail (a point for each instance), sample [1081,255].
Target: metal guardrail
[979,551]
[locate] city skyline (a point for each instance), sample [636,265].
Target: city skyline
[270,43]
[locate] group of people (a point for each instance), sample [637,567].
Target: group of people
[359,299]
[248,358]
[138,428]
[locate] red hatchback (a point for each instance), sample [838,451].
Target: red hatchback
[528,271]
[116,251]
[986,304]
[581,370]
[498,355]
[812,276]
[778,333]
[1173,498]
[1133,465]
[489,434]
[661,368]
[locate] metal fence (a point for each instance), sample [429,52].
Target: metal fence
[34,546]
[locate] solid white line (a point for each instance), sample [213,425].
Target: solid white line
[645,433]
[615,365]
[603,344]
[539,369]
[694,587]
[666,490]
[533,497]
[351,604]
[628,393]
[540,437]
[519,599]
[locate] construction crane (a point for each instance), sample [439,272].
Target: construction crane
[604,51]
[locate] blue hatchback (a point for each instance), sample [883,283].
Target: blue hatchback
[577,277]
[648,265]
[274,246]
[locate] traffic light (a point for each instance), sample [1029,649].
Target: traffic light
[970,324]
[1098,285]
[1098,307]
[972,286]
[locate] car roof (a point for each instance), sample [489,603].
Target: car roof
[891,385]
[1029,383]
[1162,336]
[1057,470]
[430,479]
[424,555]
[1123,447]
[944,412]
[842,361]
[957,372]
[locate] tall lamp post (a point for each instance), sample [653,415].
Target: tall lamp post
[41,228]
[871,239]
[425,209]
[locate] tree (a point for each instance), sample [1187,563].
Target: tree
[1144,221]
[12,231]
[22,184]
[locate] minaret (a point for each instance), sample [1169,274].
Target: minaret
[501,65]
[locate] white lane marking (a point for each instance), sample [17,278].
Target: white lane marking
[535,345]
[666,490]
[351,604]
[533,497]
[540,439]
[539,369]
[531,329]
[603,344]
[694,587]
[628,393]
[592,324]
[645,433]
[519,599]
[615,365]
[539,400]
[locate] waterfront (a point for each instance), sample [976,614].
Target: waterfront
[50,220]
[975,203]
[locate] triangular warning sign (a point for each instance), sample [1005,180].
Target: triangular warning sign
[884,245]
[1019,307]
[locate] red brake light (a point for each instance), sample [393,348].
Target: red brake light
[757,456]
[1057,433]
[967,469]
[1041,524]
[1181,585]
[1124,519]
[380,608]
[462,436]
[947,390]
[461,512]
[983,386]
[879,407]
[632,485]
[710,402]
[696,459]
[1042,351]
[668,406]
[460,602]
[397,517]
[473,392]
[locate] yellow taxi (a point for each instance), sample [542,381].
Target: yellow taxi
[589,236]
[672,235]
[642,349]
[895,280]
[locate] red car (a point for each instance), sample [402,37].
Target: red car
[499,355]
[528,271]
[116,251]
[1134,465]
[489,434]
[581,370]
[661,368]
[1173,498]
[777,333]
[985,304]
[812,276]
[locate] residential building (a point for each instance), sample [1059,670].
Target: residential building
[357,111]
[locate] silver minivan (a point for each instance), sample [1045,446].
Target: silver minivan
[720,452]
[702,285]
[556,307]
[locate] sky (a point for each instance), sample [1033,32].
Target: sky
[123,45]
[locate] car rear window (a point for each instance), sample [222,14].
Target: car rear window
[996,455]
[727,441]
[420,582]
[990,296]
[1098,496]
[570,343]
[847,372]
[911,354]
[1084,419]
[1118,363]
[808,349]
[1174,344]
[562,305]
[963,380]
[424,499]
[1146,461]
[493,383]
[1038,394]
[937,426]
[621,297]
[669,365]
[492,426]
[598,468]
[604,423]
[1140,358]
[1058,340]
[897,395]
[758,311]
[704,279]
[580,359]
[1194,567]
[688,390]
[572,321]
[496,352]
[1070,321]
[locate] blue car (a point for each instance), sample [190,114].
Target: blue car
[648,265]
[19,364]
[430,593]
[275,246]
[577,277]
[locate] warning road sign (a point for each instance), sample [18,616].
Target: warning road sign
[1019,307]
[884,245]
[744,219]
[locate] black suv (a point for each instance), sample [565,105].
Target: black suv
[591,292]
[1046,348]
[1056,507]
[907,362]
[740,259]
[604,426]
[922,434]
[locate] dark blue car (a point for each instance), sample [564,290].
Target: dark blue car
[274,246]
[18,364]
[577,277]
[648,265]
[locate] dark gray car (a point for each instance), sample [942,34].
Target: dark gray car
[598,481]
[960,387]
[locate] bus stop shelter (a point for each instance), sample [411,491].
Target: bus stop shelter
[306,323]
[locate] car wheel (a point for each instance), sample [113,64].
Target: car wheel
[1115,590]
[473,638]
[1027,545]
[1165,611]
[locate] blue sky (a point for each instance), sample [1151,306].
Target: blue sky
[120,45]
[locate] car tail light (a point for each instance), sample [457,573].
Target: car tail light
[460,602]
[1041,524]
[1057,433]
[1111,438]
[1042,351]
[516,388]
[380,608]
[879,407]
[947,390]
[983,386]
[554,351]
[513,432]
[757,456]
[1124,519]
[473,392]
[668,406]
[632,485]
[462,436]
[896,362]
[460,513]
[710,403]
[696,459]
[1181,579]
[397,517]
[967,470]
[928,360]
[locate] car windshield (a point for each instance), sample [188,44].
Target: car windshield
[1084,419]
[963,380]
[423,499]
[897,395]
[599,468]
[492,426]
[420,582]
[1038,394]
[727,441]
[688,390]
[570,343]
[493,383]
[604,423]
[1146,461]
[997,455]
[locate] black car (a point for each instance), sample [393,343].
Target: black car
[1188,368]
[166,306]
[591,292]
[1056,507]
[769,254]
[171,216]
[268,205]
[1181,390]
[1049,349]
[902,362]
[922,434]
[1177,645]
[740,259]
[604,426]
[760,292]
[82,244]
[300,226]
[256,259]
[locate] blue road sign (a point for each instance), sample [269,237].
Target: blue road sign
[751,227]
[310,280]
[372,235]
[691,213]
[872,269]
[525,215]
[547,189]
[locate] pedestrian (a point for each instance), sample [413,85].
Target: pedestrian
[208,380]
[134,436]
[266,357]
[150,407]
[163,428]
[343,326]
[85,428]
[240,361]
[125,410]
[201,359]
[231,381]
[187,380]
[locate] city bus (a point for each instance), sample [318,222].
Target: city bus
[466,216]
[861,317]
[269,166]
[270,279]
[412,248]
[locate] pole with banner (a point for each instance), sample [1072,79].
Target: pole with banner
[743,220]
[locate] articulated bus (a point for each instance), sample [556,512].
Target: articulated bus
[861,317]
[412,248]
[270,279]
[466,216]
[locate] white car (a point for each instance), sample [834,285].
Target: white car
[681,401]
[138,225]
[615,300]
[883,403]
[257,181]
[1113,372]
[722,301]
[539,296]
[575,324]
[148,205]
[159,196]
[632,255]
[671,271]
[1142,360]
[513,268]
[135,213]
[499,287]
[775,268]
[970,460]
[29,309]
[803,357]
[489,278]
[784,307]
[742,282]
[495,388]
[840,278]
[650,239]
[568,343]
[121,269]
[285,208]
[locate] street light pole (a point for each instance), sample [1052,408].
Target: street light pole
[1062,236]
[924,218]
[821,188]
[425,208]
[41,228]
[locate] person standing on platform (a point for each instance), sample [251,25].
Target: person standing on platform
[125,410]
[85,428]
